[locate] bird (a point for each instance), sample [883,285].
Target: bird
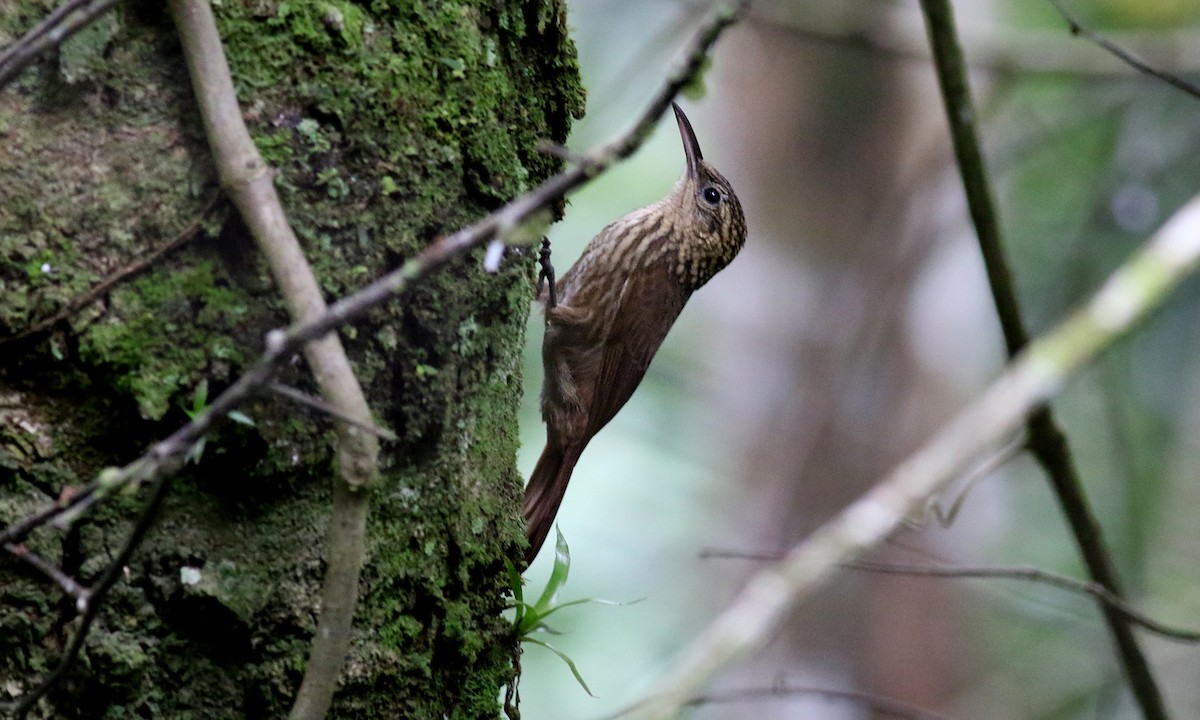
[606,317]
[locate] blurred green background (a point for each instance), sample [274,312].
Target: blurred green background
[854,323]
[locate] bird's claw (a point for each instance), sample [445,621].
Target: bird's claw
[546,274]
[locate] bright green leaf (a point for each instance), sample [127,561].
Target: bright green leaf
[558,576]
[199,399]
[570,663]
[240,417]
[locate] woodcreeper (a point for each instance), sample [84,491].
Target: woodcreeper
[608,315]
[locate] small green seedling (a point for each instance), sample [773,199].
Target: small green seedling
[199,404]
[531,619]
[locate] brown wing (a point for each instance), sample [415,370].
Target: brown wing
[648,306]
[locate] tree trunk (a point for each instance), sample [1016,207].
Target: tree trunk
[390,123]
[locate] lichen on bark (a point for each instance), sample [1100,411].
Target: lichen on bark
[389,123]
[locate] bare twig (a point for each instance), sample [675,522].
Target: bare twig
[960,112]
[131,270]
[91,606]
[249,183]
[1124,55]
[17,531]
[1045,439]
[50,570]
[894,31]
[987,466]
[877,706]
[320,405]
[68,19]
[1028,574]
[1030,379]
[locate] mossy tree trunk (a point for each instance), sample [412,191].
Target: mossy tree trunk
[389,123]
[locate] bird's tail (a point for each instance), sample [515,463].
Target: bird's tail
[544,494]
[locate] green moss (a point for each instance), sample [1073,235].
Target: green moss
[464,109]
[174,330]
[82,56]
[98,171]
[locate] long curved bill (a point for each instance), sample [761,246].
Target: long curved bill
[691,148]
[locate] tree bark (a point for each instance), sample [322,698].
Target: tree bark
[389,125]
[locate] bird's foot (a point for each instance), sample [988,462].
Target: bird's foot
[546,274]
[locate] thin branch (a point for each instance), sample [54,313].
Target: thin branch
[1124,55]
[553,149]
[17,531]
[871,703]
[68,19]
[1045,439]
[1036,575]
[987,466]
[1033,377]
[893,31]
[131,270]
[50,570]
[249,182]
[91,605]
[1027,574]
[320,405]
[961,116]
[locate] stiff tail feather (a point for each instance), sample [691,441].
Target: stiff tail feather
[544,494]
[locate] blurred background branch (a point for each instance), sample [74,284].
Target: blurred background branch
[1045,440]
[877,706]
[1027,574]
[1129,59]
[896,30]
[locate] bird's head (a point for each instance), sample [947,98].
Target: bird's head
[709,215]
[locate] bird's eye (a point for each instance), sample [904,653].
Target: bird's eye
[712,196]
